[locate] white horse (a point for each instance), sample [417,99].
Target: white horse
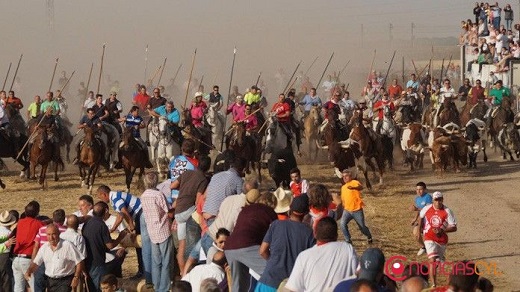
[162,145]
[215,119]
[110,136]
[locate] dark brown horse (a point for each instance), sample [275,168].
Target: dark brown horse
[371,147]
[9,149]
[245,146]
[500,117]
[201,135]
[132,157]
[472,111]
[42,153]
[90,156]
[449,114]
[2,185]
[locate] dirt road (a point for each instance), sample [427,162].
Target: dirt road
[483,200]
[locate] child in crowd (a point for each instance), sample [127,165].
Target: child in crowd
[109,284]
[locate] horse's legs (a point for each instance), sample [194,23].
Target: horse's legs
[41,181]
[32,173]
[365,174]
[94,169]
[56,178]
[128,178]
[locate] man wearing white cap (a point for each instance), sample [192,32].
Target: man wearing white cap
[6,277]
[438,220]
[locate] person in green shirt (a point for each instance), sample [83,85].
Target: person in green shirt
[498,93]
[252,96]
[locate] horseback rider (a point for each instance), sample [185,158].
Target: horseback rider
[216,97]
[447,96]
[406,103]
[237,109]
[294,122]
[309,101]
[496,95]
[51,107]
[172,115]
[282,111]
[197,110]
[100,110]
[114,108]
[14,101]
[154,102]
[365,115]
[252,96]
[135,122]
[141,99]
[33,111]
[62,102]
[385,104]
[50,128]
[6,129]
[90,120]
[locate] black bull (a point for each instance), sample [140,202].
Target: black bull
[280,164]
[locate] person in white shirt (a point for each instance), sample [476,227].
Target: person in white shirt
[216,270]
[321,267]
[72,235]
[63,262]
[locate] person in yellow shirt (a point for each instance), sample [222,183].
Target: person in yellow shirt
[33,111]
[252,96]
[352,206]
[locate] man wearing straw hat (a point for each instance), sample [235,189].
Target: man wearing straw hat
[6,241]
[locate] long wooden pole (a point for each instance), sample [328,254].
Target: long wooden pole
[229,93]
[324,70]
[155,74]
[16,72]
[289,83]
[53,73]
[200,83]
[344,67]
[292,84]
[145,63]
[448,66]
[415,69]
[442,70]
[162,70]
[66,83]
[88,81]
[7,75]
[176,73]
[402,72]
[371,65]
[388,70]
[101,68]
[258,78]
[189,79]
[312,64]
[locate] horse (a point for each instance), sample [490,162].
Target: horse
[311,126]
[111,139]
[132,157]
[201,135]
[449,114]
[162,143]
[244,146]
[41,153]
[276,137]
[9,149]
[15,119]
[475,134]
[215,120]
[473,111]
[371,147]
[2,185]
[388,134]
[499,117]
[90,156]
[65,141]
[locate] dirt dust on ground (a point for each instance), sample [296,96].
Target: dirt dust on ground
[483,200]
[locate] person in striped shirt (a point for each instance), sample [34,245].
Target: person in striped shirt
[128,208]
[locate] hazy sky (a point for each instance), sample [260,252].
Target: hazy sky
[268,34]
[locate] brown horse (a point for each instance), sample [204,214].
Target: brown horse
[132,157]
[500,117]
[42,152]
[201,136]
[449,114]
[371,147]
[2,185]
[90,156]
[311,126]
[472,111]
[245,146]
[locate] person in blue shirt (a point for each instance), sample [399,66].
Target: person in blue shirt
[309,101]
[180,163]
[135,123]
[422,199]
[168,111]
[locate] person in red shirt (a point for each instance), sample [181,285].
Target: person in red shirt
[141,100]
[282,111]
[197,110]
[298,185]
[26,232]
[14,101]
[395,89]
[379,108]
[437,220]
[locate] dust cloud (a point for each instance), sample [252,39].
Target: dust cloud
[269,35]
